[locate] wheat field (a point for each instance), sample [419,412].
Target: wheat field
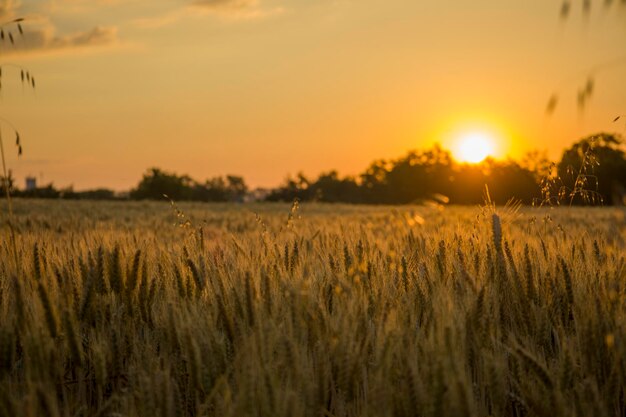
[144,309]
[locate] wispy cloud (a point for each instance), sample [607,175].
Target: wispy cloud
[39,34]
[222,5]
[42,32]
[224,9]
[162,20]
[43,37]
[97,36]
[238,9]
[8,8]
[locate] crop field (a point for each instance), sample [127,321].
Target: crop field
[149,309]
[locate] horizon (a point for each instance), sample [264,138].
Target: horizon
[459,162]
[268,88]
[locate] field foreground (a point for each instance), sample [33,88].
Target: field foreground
[128,309]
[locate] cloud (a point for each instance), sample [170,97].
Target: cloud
[43,38]
[38,33]
[236,9]
[225,9]
[100,35]
[226,4]
[7,8]
[163,20]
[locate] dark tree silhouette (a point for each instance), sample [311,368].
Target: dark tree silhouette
[156,184]
[330,188]
[594,167]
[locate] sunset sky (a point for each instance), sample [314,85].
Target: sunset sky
[263,88]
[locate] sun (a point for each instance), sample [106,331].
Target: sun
[474,147]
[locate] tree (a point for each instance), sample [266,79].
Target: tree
[330,188]
[419,176]
[156,183]
[374,182]
[292,189]
[236,188]
[592,169]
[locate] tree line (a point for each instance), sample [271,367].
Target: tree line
[592,170]
[155,184]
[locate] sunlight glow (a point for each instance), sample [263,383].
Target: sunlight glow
[474,147]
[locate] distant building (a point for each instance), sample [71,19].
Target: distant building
[31,183]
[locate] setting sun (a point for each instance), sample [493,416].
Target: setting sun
[474,147]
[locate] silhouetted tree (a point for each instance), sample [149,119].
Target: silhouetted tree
[236,188]
[157,183]
[330,188]
[374,183]
[595,165]
[417,177]
[292,188]
[40,192]
[508,180]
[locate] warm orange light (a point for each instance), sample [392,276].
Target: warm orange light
[474,147]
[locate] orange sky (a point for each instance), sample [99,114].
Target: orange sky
[270,87]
